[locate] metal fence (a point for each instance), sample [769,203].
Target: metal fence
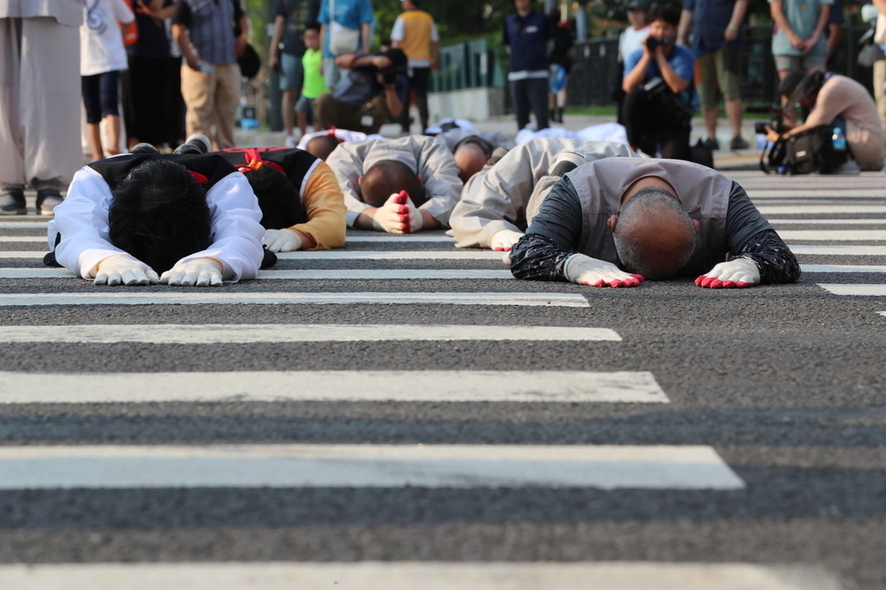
[596,71]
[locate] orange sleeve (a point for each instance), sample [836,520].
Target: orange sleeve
[325,208]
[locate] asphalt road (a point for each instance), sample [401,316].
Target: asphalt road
[760,449]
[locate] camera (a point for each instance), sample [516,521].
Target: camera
[776,122]
[389,75]
[653,42]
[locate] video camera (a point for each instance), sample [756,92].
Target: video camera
[653,42]
[776,122]
[389,75]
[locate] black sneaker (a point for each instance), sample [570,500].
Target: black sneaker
[738,143]
[711,143]
[47,200]
[12,202]
[194,144]
[144,148]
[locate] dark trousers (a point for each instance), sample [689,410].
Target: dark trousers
[653,125]
[418,83]
[531,94]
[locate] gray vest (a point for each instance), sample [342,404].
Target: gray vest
[703,192]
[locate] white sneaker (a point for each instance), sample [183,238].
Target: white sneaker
[290,141]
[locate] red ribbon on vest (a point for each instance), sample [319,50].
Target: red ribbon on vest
[254,162]
[199,177]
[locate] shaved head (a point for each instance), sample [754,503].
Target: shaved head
[654,235]
[389,177]
[470,158]
[321,146]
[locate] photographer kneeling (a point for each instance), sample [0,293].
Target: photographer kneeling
[833,101]
[658,81]
[366,96]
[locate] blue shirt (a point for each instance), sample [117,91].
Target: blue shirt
[709,21]
[681,60]
[348,13]
[527,36]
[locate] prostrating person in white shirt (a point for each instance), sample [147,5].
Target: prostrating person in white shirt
[147,218]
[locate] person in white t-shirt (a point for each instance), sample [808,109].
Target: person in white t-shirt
[630,40]
[102,58]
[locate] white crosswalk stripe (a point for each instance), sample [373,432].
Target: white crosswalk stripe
[431,466]
[621,575]
[340,386]
[251,333]
[362,298]
[878,290]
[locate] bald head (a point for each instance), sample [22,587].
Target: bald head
[389,177]
[322,145]
[470,158]
[654,235]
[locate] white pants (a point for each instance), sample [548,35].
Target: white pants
[39,103]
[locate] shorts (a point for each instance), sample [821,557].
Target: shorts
[291,73]
[305,105]
[100,95]
[792,62]
[712,72]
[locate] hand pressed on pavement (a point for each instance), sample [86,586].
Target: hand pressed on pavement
[124,270]
[200,272]
[398,215]
[585,270]
[282,240]
[503,240]
[737,273]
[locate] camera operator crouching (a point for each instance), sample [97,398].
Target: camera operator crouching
[841,111]
[658,81]
[366,95]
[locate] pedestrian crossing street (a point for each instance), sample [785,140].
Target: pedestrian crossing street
[840,239]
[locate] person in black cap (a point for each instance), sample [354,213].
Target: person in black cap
[366,96]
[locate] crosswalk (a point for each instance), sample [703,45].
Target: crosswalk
[825,235]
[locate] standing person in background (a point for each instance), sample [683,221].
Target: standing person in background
[832,33]
[314,85]
[152,85]
[798,39]
[630,40]
[416,34]
[205,33]
[40,104]
[560,59]
[879,81]
[345,27]
[526,35]
[285,54]
[102,58]
[715,27]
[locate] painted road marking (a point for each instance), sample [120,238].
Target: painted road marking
[350,386]
[348,274]
[855,290]
[339,255]
[209,298]
[854,235]
[817,209]
[622,575]
[837,250]
[251,333]
[828,221]
[352,274]
[373,466]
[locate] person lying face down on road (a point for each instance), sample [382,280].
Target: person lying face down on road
[492,212]
[301,202]
[186,219]
[374,174]
[617,221]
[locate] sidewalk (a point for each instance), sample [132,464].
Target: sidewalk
[724,159]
